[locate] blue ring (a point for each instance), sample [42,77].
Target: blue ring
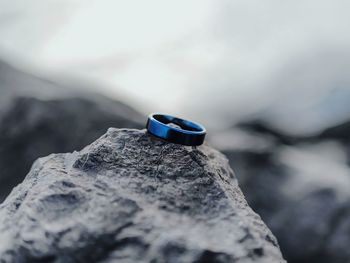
[191,133]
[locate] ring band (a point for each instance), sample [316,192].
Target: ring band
[189,133]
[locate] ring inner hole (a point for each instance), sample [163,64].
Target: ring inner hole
[178,122]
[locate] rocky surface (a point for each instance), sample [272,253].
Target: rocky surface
[299,186]
[129,197]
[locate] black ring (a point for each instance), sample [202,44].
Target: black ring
[189,133]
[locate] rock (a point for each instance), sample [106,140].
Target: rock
[129,197]
[253,155]
[300,188]
[39,116]
[339,240]
[263,128]
[310,224]
[31,128]
[339,132]
[261,178]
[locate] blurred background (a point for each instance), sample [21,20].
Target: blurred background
[269,79]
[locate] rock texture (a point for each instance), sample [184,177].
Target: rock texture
[129,197]
[299,186]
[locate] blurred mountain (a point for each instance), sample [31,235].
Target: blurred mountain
[14,83]
[39,117]
[299,186]
[339,132]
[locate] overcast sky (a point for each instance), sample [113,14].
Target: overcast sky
[216,61]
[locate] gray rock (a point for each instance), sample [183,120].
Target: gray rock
[31,128]
[40,116]
[311,223]
[339,240]
[341,133]
[129,197]
[299,186]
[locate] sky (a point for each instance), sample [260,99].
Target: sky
[215,61]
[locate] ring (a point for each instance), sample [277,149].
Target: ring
[175,130]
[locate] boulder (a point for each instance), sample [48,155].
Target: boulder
[32,128]
[299,186]
[341,133]
[40,116]
[313,223]
[130,197]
